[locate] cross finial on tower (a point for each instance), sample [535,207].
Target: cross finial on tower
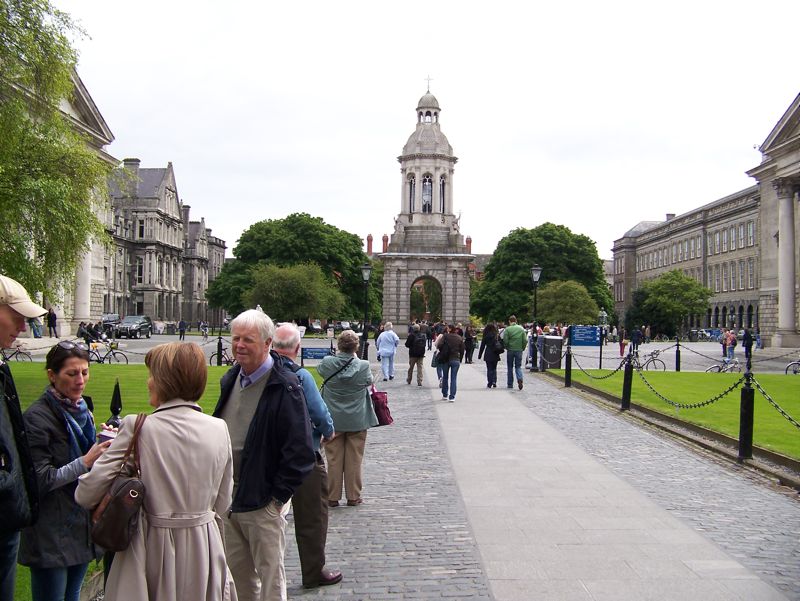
[428,79]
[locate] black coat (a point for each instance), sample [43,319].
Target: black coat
[278,453]
[62,536]
[487,348]
[19,500]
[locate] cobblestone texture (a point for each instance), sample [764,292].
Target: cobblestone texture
[410,539]
[757,524]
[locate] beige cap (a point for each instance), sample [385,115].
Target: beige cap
[15,296]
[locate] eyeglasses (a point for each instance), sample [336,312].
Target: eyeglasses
[68,345]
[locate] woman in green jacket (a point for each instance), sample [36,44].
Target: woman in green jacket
[346,393]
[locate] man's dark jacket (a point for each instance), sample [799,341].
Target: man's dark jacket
[277,454]
[19,497]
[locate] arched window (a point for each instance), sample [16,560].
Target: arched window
[412,192]
[442,192]
[427,194]
[428,117]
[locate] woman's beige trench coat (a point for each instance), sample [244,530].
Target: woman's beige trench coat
[187,469]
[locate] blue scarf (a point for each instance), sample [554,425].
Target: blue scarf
[79,422]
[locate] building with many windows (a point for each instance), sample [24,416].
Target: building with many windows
[742,247]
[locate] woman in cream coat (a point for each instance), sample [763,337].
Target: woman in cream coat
[186,463]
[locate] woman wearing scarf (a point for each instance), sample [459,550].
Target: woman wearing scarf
[61,434]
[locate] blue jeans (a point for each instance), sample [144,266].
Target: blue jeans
[57,584]
[730,352]
[514,363]
[387,365]
[450,369]
[8,565]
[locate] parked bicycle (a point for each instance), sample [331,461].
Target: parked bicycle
[793,368]
[648,361]
[111,354]
[18,354]
[725,367]
[226,358]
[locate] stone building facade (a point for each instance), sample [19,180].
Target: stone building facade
[426,242]
[743,247]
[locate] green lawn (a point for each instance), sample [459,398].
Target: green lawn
[770,430]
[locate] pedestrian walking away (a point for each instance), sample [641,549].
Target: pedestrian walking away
[415,343]
[490,350]
[451,352]
[514,339]
[387,347]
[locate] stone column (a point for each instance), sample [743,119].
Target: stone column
[81,310]
[787,325]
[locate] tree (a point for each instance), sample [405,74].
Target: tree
[566,302]
[48,171]
[292,293]
[294,240]
[507,288]
[665,302]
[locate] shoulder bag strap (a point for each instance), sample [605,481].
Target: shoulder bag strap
[132,446]
[336,372]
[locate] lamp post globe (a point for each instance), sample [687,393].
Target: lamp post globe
[366,272]
[536,273]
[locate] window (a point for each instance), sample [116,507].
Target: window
[661,257]
[699,246]
[427,194]
[733,276]
[139,269]
[674,252]
[680,251]
[710,278]
[412,189]
[685,250]
[724,240]
[716,243]
[724,277]
[741,275]
[141,228]
[442,190]
[710,245]
[751,233]
[751,273]
[691,248]
[741,235]
[733,238]
[716,278]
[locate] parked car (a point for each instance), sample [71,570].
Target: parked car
[134,326]
[315,327]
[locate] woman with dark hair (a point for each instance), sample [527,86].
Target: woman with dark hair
[61,433]
[187,469]
[489,352]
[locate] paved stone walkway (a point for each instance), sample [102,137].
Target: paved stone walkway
[538,494]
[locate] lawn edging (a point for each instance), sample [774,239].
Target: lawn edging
[785,470]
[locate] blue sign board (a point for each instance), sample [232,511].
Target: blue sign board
[315,353]
[585,335]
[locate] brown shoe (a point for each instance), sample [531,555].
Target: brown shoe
[326,578]
[519,383]
[358,501]
[333,503]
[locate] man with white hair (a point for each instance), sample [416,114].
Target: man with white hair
[310,501]
[262,403]
[19,497]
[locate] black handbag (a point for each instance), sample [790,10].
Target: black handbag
[115,519]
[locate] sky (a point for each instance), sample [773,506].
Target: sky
[594,115]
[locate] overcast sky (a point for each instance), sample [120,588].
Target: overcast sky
[595,115]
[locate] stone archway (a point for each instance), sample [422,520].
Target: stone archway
[425,302]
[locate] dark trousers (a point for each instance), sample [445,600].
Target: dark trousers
[310,508]
[491,372]
[8,565]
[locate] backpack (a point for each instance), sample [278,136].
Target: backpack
[419,345]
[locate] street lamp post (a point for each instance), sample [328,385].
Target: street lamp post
[536,273]
[601,318]
[366,272]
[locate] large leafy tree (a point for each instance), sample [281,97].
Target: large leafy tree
[665,302]
[566,302]
[298,239]
[293,293]
[48,172]
[507,288]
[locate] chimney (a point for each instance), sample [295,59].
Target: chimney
[369,245]
[386,243]
[131,176]
[469,245]
[670,216]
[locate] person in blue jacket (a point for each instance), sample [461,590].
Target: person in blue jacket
[310,501]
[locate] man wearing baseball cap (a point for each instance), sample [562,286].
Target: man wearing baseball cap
[19,498]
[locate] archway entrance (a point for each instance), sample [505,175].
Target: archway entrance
[426,300]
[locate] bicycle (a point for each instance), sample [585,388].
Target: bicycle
[205,335]
[651,363]
[226,358]
[112,355]
[725,367]
[793,368]
[18,354]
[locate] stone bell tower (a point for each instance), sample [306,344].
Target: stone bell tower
[427,242]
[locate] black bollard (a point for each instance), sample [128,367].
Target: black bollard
[568,369]
[746,418]
[677,353]
[534,352]
[627,384]
[219,349]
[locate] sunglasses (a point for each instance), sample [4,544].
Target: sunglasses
[68,345]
